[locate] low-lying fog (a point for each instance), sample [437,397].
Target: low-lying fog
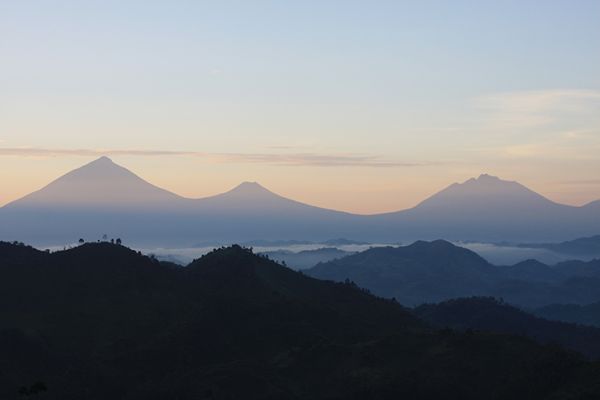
[498,255]
[305,255]
[507,255]
[186,255]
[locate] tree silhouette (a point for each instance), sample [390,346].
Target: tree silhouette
[81,241]
[33,390]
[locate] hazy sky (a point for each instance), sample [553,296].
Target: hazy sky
[363,106]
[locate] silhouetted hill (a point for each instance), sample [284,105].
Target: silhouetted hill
[588,314]
[421,272]
[488,314]
[533,271]
[306,258]
[427,272]
[101,321]
[14,253]
[582,269]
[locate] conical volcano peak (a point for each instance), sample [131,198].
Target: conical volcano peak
[251,189]
[102,168]
[100,183]
[484,179]
[485,192]
[489,178]
[104,160]
[253,197]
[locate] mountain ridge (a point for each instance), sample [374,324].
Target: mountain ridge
[427,272]
[103,197]
[105,166]
[98,183]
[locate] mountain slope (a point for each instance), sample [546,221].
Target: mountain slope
[491,209]
[99,184]
[413,274]
[488,314]
[104,198]
[594,205]
[252,197]
[484,193]
[306,258]
[105,321]
[588,314]
[427,272]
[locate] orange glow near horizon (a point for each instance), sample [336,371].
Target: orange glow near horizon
[371,109]
[361,190]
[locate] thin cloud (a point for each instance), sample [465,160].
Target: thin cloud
[544,124]
[278,159]
[43,152]
[538,112]
[592,182]
[536,101]
[536,109]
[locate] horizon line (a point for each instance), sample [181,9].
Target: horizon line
[106,157]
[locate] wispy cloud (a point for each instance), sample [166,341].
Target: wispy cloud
[548,109]
[558,146]
[534,101]
[48,152]
[591,182]
[547,123]
[279,159]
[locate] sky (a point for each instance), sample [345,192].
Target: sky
[362,106]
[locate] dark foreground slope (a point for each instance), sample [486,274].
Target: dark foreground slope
[103,322]
[489,314]
[588,314]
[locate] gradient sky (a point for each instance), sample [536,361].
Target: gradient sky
[363,106]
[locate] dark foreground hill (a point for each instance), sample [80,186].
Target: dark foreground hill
[588,314]
[427,272]
[306,258]
[103,322]
[489,314]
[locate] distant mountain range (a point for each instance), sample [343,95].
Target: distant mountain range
[105,198]
[427,272]
[101,321]
[588,246]
[286,243]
